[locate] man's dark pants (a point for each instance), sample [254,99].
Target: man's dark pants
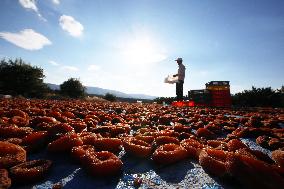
[179,90]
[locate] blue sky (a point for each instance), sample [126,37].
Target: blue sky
[131,45]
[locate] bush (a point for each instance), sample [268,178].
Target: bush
[20,78]
[72,88]
[110,97]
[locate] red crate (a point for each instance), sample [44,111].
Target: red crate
[220,92]
[194,104]
[221,100]
[221,104]
[191,103]
[201,104]
[220,97]
[179,103]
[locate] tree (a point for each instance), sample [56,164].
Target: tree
[282,89]
[110,97]
[72,88]
[262,97]
[167,100]
[20,78]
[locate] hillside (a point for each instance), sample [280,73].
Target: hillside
[101,91]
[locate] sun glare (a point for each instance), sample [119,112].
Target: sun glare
[142,51]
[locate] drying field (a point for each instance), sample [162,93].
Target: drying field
[81,144]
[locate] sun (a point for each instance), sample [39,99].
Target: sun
[142,50]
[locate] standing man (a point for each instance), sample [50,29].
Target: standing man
[181,75]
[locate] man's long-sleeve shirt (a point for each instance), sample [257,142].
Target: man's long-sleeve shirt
[181,72]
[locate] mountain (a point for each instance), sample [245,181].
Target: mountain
[101,91]
[53,86]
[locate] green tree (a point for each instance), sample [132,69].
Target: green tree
[262,97]
[20,78]
[167,100]
[72,88]
[110,97]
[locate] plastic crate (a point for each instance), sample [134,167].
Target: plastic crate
[217,87]
[195,104]
[218,83]
[220,92]
[179,103]
[191,103]
[200,91]
[221,104]
[221,99]
[201,104]
[201,96]
[226,101]
[224,95]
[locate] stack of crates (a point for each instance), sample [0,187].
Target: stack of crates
[220,93]
[199,97]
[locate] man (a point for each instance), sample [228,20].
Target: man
[180,75]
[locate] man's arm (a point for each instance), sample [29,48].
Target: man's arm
[175,75]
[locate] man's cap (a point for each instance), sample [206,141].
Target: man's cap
[179,60]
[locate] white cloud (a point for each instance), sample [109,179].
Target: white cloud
[69,68]
[93,67]
[69,24]
[57,2]
[53,63]
[27,39]
[31,4]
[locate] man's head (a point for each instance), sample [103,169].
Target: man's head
[179,60]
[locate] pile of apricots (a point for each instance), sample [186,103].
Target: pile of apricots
[94,133]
